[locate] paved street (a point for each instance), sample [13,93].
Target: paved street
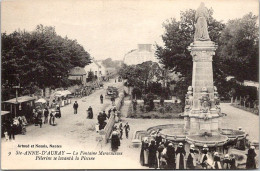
[239,118]
[235,118]
[76,133]
[73,131]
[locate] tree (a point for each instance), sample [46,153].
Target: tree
[91,76]
[177,37]
[141,75]
[238,47]
[108,63]
[40,58]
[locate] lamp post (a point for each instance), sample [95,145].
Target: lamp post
[16,93]
[16,96]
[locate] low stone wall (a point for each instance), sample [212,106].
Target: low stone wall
[252,110]
[111,121]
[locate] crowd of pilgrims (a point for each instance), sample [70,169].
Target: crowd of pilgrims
[12,127]
[161,153]
[117,135]
[49,116]
[103,116]
[18,124]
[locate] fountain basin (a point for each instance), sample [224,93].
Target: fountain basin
[233,134]
[210,141]
[172,132]
[176,133]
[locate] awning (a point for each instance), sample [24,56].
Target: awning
[60,94]
[67,92]
[41,101]
[4,112]
[20,99]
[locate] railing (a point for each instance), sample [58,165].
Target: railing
[247,106]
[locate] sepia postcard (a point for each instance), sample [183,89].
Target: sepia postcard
[133,84]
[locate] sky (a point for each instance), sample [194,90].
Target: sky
[111,28]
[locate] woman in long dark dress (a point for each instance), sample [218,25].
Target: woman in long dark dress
[216,162]
[233,165]
[250,162]
[180,153]
[115,142]
[90,113]
[226,162]
[144,152]
[191,161]
[204,160]
[160,150]
[170,153]
[152,158]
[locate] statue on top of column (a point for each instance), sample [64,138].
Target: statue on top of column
[201,26]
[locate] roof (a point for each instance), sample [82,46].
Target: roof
[110,69]
[96,63]
[20,99]
[74,77]
[77,71]
[4,112]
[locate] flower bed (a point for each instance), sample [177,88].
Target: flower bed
[167,111]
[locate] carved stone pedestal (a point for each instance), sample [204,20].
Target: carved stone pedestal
[201,112]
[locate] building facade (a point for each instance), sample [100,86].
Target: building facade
[97,68]
[142,54]
[78,73]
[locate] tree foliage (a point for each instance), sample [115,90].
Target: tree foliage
[109,63]
[238,47]
[91,76]
[40,57]
[143,77]
[178,35]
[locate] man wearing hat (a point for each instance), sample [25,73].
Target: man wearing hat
[180,154]
[75,107]
[191,161]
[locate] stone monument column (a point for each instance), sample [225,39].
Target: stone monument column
[201,112]
[202,75]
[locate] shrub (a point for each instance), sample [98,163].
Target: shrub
[147,108]
[142,108]
[161,110]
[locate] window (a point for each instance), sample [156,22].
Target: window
[95,72]
[100,72]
